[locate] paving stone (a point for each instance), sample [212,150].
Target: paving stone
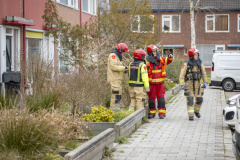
[175,137]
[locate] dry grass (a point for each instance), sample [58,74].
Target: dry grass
[25,133]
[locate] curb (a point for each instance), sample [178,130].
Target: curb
[94,148]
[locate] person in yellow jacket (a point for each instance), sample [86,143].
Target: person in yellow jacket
[115,73]
[191,73]
[138,80]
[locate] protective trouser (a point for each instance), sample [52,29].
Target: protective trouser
[157,91]
[116,90]
[194,100]
[138,96]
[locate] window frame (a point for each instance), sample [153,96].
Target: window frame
[139,25]
[214,20]
[91,9]
[238,29]
[74,5]
[171,15]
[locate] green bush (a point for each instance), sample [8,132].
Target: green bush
[28,135]
[173,70]
[119,115]
[8,101]
[25,134]
[42,101]
[99,114]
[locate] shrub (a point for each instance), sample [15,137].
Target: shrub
[8,101]
[173,70]
[100,114]
[119,115]
[33,134]
[45,100]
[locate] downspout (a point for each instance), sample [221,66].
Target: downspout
[80,12]
[24,46]
[158,26]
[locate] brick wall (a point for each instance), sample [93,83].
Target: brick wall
[184,37]
[69,14]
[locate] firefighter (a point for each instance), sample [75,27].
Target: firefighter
[115,74]
[138,80]
[191,73]
[156,74]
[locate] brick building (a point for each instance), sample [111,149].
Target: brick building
[22,32]
[217,26]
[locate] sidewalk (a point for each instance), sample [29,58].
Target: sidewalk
[175,137]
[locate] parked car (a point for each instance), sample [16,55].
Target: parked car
[236,135]
[226,69]
[229,112]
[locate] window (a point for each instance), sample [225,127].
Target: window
[220,47]
[238,22]
[185,52]
[69,3]
[217,23]
[89,6]
[34,51]
[206,53]
[142,23]
[171,23]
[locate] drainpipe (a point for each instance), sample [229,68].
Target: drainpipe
[24,46]
[159,26]
[80,12]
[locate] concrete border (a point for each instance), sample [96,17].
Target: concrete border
[127,125]
[174,90]
[94,148]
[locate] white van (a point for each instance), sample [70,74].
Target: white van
[226,69]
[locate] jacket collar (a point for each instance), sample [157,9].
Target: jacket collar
[117,53]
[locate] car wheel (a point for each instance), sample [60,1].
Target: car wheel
[228,85]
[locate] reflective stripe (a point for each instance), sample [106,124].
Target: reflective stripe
[181,80]
[166,60]
[162,111]
[190,110]
[154,111]
[135,82]
[197,108]
[170,58]
[145,72]
[120,69]
[158,80]
[156,71]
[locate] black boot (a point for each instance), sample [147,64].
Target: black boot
[191,118]
[150,116]
[161,116]
[197,115]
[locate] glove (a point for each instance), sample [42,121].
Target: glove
[204,85]
[126,68]
[183,87]
[147,89]
[170,56]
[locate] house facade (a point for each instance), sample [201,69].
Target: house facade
[23,32]
[217,26]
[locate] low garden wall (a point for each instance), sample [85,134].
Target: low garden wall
[94,148]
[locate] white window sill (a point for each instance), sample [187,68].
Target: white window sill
[217,31]
[68,6]
[88,13]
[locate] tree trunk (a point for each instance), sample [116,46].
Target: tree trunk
[193,33]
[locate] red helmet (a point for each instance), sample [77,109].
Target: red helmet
[122,47]
[139,54]
[192,51]
[151,48]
